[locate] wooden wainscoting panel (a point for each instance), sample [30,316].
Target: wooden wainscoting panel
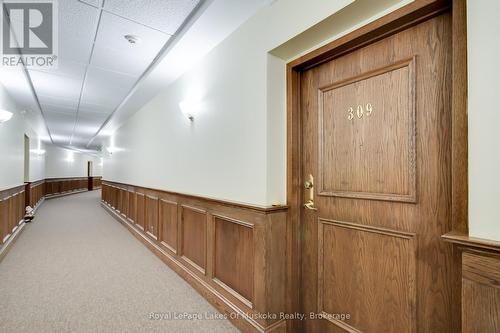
[194,237]
[37,192]
[20,206]
[104,193]
[140,211]
[3,221]
[246,244]
[233,257]
[96,182]
[124,202]
[114,196]
[168,224]
[119,200]
[58,186]
[380,271]
[12,213]
[480,292]
[152,216]
[132,206]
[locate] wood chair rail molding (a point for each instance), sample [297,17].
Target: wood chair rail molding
[257,208]
[232,254]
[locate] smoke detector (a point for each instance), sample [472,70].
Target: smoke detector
[132,39]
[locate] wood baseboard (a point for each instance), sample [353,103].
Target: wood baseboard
[42,200]
[4,249]
[63,194]
[234,313]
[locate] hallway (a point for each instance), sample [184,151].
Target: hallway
[256,166]
[76,269]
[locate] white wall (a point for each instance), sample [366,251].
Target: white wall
[483,28]
[61,163]
[12,147]
[236,147]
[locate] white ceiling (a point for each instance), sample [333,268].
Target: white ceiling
[97,66]
[99,73]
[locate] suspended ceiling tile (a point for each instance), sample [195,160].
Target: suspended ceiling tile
[53,109]
[56,86]
[95,110]
[48,101]
[88,125]
[59,120]
[95,3]
[106,88]
[86,130]
[164,15]
[77,28]
[66,68]
[113,52]
[79,141]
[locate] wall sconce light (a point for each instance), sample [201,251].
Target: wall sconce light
[5,116]
[189,109]
[70,157]
[38,151]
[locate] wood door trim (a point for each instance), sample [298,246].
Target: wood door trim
[405,17]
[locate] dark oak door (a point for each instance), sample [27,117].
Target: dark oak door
[377,143]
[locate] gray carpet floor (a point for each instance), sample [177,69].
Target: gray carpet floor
[76,269]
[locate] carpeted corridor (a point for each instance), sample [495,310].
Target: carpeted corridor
[76,269]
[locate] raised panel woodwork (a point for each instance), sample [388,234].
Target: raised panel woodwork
[56,186]
[119,200]
[373,280]
[194,237]
[96,182]
[114,193]
[152,216]
[233,257]
[20,207]
[132,206]
[233,254]
[12,213]
[3,221]
[124,202]
[364,174]
[168,224]
[480,292]
[367,135]
[37,192]
[140,211]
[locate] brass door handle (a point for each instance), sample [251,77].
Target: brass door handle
[309,185]
[310,205]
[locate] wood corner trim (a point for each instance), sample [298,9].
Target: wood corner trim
[463,239]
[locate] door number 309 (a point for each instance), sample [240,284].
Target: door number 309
[360,111]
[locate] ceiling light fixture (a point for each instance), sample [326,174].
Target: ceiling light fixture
[133,39]
[5,116]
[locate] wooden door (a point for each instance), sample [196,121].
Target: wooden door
[376,137]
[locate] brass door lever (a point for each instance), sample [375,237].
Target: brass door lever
[309,185]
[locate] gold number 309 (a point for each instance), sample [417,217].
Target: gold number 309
[360,111]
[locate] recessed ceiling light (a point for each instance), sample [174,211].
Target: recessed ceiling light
[133,39]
